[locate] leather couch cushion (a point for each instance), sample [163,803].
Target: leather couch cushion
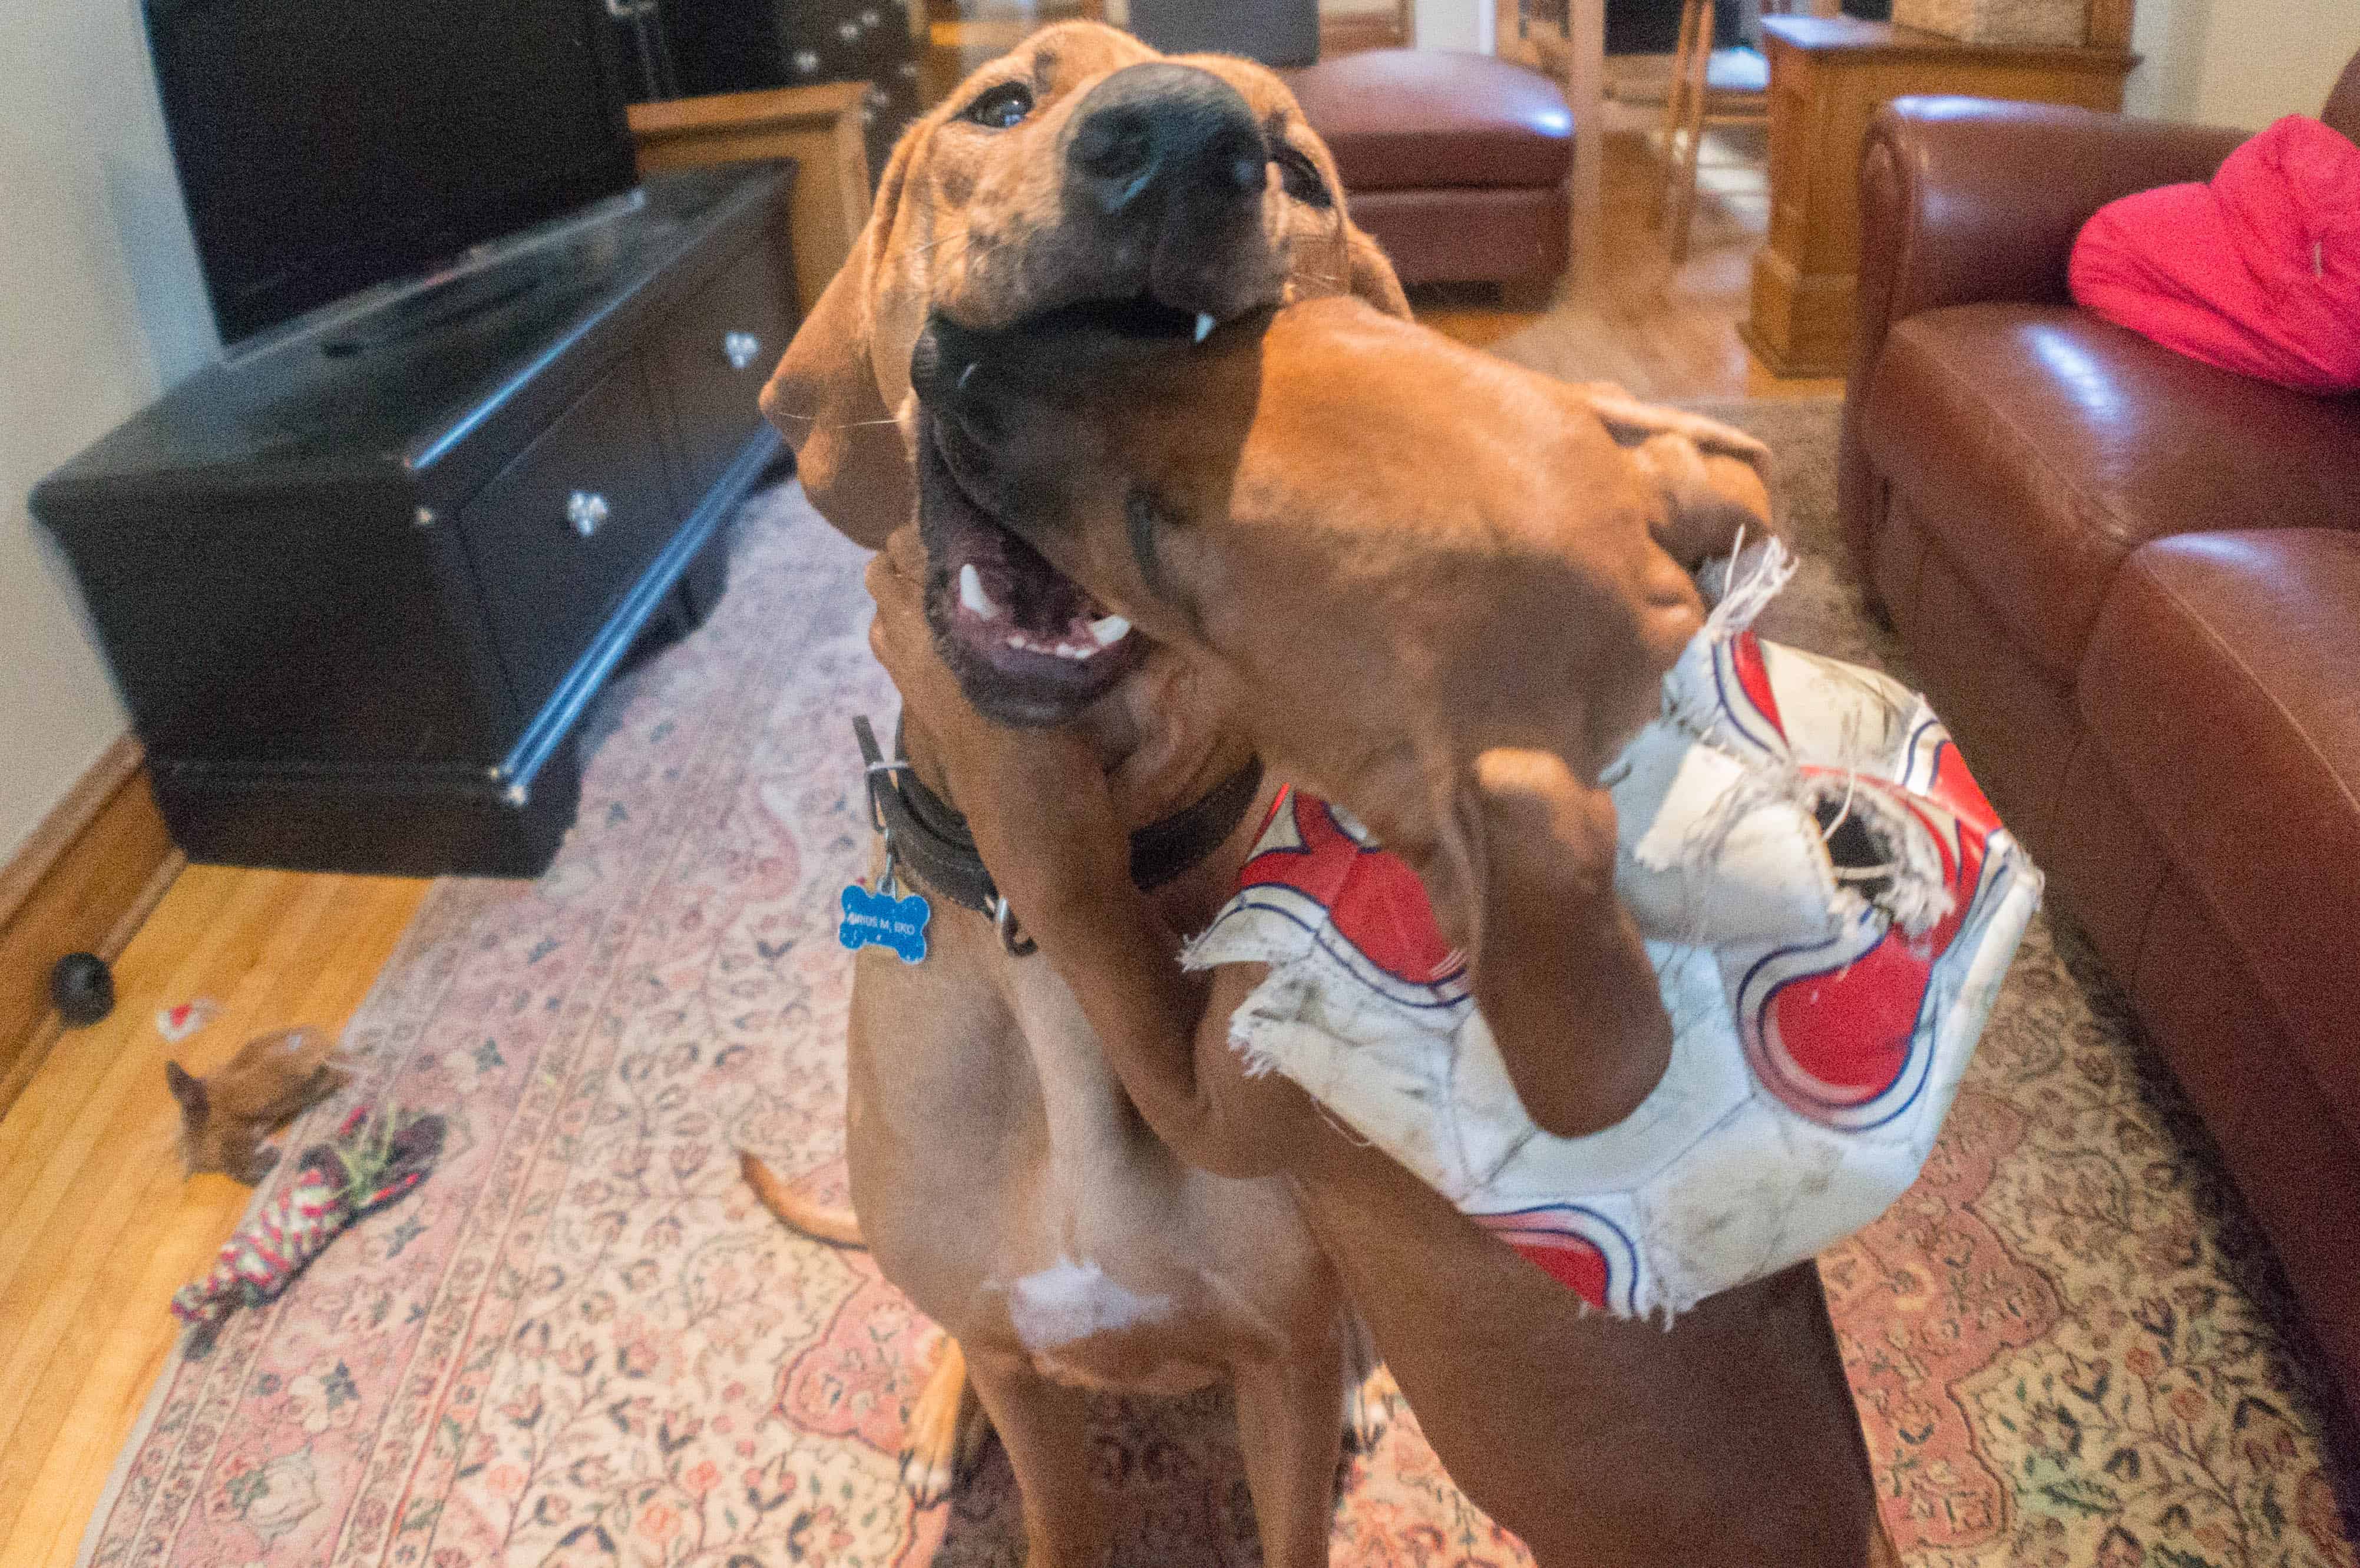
[2041,446]
[2219,681]
[1408,119]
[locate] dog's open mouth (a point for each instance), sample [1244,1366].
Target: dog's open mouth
[1029,644]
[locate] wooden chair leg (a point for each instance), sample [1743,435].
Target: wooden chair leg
[1676,111]
[1685,194]
[1585,89]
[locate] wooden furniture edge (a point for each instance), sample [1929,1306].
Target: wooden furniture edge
[1841,35]
[107,831]
[738,111]
[2110,24]
[831,190]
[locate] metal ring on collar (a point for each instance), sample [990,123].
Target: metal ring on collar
[1011,935]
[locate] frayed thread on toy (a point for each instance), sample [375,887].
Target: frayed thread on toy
[1749,586]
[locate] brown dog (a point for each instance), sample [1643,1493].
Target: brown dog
[1433,587]
[1001,1177]
[1505,638]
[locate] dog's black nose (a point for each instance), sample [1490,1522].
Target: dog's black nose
[944,362]
[1164,131]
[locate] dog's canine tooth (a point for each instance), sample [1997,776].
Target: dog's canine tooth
[972,594]
[1109,630]
[1204,324]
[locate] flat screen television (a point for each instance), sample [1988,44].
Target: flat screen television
[327,145]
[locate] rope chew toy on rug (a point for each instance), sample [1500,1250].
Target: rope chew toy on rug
[371,1159]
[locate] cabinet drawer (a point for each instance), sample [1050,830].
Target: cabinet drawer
[717,349]
[566,527]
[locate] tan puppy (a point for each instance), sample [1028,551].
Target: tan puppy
[1431,586]
[1001,1176]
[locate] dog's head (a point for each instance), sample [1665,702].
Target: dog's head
[1082,166]
[1433,587]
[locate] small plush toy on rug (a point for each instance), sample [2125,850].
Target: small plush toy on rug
[372,1161]
[273,1078]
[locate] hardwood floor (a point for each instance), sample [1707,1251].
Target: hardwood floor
[1662,331]
[97,1227]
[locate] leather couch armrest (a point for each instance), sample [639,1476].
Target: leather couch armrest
[1967,200]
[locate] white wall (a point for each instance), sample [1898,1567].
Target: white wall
[100,307]
[2239,62]
[1469,25]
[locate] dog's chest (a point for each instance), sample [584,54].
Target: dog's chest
[1082,1326]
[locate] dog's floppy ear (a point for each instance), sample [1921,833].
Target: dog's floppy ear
[1713,478]
[1524,878]
[190,1091]
[1374,279]
[823,396]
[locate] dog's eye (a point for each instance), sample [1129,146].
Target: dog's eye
[1002,107]
[1299,177]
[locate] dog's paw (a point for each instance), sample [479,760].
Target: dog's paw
[1369,1407]
[947,1431]
[931,1470]
[927,1477]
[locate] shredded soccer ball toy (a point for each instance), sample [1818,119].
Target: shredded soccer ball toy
[1830,905]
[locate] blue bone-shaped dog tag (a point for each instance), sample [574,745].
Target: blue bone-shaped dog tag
[880,920]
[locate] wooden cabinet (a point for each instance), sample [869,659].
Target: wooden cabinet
[359,587]
[1829,75]
[821,128]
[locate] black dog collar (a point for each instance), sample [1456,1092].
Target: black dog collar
[925,835]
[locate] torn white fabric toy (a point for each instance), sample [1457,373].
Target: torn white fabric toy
[1830,905]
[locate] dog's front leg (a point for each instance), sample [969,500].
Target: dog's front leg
[1291,1443]
[1044,1428]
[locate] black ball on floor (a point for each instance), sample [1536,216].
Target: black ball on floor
[82,987]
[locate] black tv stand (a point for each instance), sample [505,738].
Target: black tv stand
[439,305]
[358,602]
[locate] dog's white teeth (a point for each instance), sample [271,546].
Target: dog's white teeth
[1109,630]
[1204,324]
[972,594]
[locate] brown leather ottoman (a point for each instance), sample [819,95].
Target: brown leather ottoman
[1457,163]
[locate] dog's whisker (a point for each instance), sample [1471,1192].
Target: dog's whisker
[846,425]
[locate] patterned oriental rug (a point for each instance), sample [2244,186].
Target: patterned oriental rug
[581,1342]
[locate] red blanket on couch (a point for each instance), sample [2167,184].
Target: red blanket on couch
[2257,272]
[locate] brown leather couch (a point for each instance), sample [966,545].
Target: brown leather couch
[2131,583]
[1457,163]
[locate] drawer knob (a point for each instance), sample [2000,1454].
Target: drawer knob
[585,510]
[740,349]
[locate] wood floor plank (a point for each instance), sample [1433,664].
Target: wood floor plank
[1660,330]
[97,1226]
